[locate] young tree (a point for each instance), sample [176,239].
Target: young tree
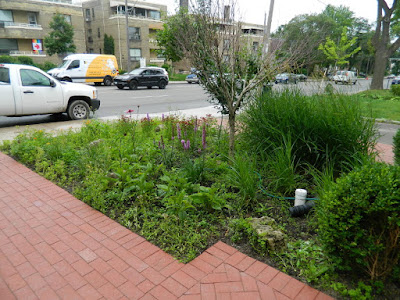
[109,44]
[228,68]
[382,42]
[60,39]
[341,52]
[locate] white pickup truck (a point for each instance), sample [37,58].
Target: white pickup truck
[26,90]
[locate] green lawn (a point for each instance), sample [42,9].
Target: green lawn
[177,77]
[380,104]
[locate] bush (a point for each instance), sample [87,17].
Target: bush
[5,59]
[395,89]
[359,220]
[25,60]
[396,147]
[320,129]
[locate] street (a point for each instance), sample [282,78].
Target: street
[182,96]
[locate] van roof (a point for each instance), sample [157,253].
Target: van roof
[87,55]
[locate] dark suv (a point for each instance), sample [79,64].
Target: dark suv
[148,76]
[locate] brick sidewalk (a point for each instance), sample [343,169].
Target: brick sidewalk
[53,246]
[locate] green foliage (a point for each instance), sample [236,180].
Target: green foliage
[109,47]
[362,292]
[25,60]
[5,59]
[339,53]
[60,39]
[396,147]
[294,133]
[395,88]
[306,258]
[359,220]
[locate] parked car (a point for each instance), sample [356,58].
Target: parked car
[27,90]
[391,76]
[396,80]
[147,76]
[192,78]
[301,77]
[286,78]
[345,77]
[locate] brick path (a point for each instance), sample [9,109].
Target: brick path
[53,246]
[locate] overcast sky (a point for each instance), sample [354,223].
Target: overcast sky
[253,11]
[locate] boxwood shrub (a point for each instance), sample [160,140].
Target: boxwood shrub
[396,89]
[359,220]
[396,147]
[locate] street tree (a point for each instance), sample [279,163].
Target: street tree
[60,39]
[109,47]
[339,53]
[228,67]
[384,48]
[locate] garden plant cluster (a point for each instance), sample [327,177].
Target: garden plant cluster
[171,180]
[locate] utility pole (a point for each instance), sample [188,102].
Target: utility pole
[128,64]
[267,29]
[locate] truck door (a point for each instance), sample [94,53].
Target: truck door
[38,96]
[75,71]
[7,102]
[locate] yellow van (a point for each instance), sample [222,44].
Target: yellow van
[97,68]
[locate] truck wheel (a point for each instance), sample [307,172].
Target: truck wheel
[162,84]
[133,85]
[120,86]
[107,81]
[78,110]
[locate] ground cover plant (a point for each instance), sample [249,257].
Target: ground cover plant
[171,179]
[379,104]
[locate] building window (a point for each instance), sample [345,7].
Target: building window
[93,13]
[7,45]
[87,14]
[136,53]
[100,50]
[153,14]
[6,17]
[140,12]
[227,44]
[89,31]
[98,33]
[91,50]
[32,19]
[255,46]
[68,19]
[134,33]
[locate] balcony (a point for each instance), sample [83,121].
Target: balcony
[132,17]
[20,25]
[26,53]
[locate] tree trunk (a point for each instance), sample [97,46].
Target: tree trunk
[231,122]
[381,59]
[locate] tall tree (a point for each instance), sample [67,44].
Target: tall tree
[228,68]
[61,39]
[382,41]
[339,53]
[109,47]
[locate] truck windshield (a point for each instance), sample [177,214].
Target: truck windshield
[64,64]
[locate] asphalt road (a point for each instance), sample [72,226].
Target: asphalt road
[182,96]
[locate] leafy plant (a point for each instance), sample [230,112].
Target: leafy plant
[395,90]
[359,220]
[396,147]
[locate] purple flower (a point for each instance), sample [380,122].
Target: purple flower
[195,126]
[148,117]
[162,117]
[129,111]
[178,128]
[203,138]
[187,145]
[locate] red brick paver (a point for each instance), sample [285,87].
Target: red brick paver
[53,246]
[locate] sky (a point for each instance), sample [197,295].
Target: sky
[252,11]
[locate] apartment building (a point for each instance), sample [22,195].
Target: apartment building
[109,17]
[25,23]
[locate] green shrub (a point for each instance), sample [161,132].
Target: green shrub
[6,59]
[25,60]
[395,89]
[396,147]
[321,129]
[359,220]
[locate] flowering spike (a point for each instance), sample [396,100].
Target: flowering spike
[203,138]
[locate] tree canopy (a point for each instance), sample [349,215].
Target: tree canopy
[60,39]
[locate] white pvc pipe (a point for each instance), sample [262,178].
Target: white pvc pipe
[300,197]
